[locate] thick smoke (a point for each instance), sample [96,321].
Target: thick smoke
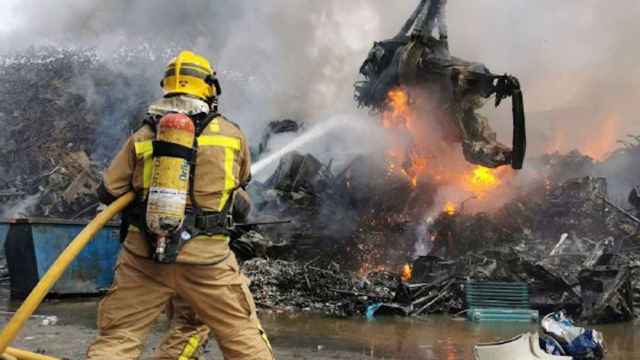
[575,59]
[275,59]
[299,59]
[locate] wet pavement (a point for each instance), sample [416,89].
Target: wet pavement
[436,337]
[306,336]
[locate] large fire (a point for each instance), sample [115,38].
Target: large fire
[409,163]
[482,180]
[425,156]
[399,116]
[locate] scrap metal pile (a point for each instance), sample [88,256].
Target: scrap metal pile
[64,112]
[564,238]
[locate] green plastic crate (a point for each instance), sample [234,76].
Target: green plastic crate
[498,301]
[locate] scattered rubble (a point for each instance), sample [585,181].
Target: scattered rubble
[583,271]
[291,286]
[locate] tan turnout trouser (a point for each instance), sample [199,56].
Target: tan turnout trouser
[218,294]
[187,336]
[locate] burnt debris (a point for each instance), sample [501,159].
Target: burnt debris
[564,239]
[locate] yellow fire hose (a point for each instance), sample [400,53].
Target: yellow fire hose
[13,353]
[52,275]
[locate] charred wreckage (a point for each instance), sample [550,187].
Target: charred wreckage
[416,60]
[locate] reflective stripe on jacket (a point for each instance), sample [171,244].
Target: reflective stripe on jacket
[223,163]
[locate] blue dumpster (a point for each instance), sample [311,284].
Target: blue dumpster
[32,245]
[4,229]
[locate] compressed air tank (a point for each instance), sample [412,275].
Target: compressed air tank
[169,187]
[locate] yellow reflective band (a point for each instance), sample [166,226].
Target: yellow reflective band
[214,125]
[144,149]
[219,140]
[264,337]
[229,179]
[230,144]
[190,348]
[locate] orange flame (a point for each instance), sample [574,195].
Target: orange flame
[399,114]
[425,159]
[482,180]
[449,208]
[406,273]
[416,168]
[605,140]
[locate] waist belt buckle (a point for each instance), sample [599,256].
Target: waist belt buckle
[228,222]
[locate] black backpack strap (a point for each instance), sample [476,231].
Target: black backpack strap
[201,124]
[152,121]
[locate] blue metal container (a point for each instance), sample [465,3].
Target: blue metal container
[32,245]
[4,229]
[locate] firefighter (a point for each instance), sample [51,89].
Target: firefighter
[191,263]
[188,335]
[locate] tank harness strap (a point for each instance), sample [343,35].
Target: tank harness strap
[200,126]
[165,148]
[152,121]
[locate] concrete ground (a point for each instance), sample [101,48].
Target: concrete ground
[75,329]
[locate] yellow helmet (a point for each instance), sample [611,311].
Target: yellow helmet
[191,74]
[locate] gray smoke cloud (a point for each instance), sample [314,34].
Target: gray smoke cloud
[299,59]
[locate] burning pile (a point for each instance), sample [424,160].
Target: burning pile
[492,224]
[427,159]
[512,244]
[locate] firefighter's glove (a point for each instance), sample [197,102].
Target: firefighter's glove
[241,206]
